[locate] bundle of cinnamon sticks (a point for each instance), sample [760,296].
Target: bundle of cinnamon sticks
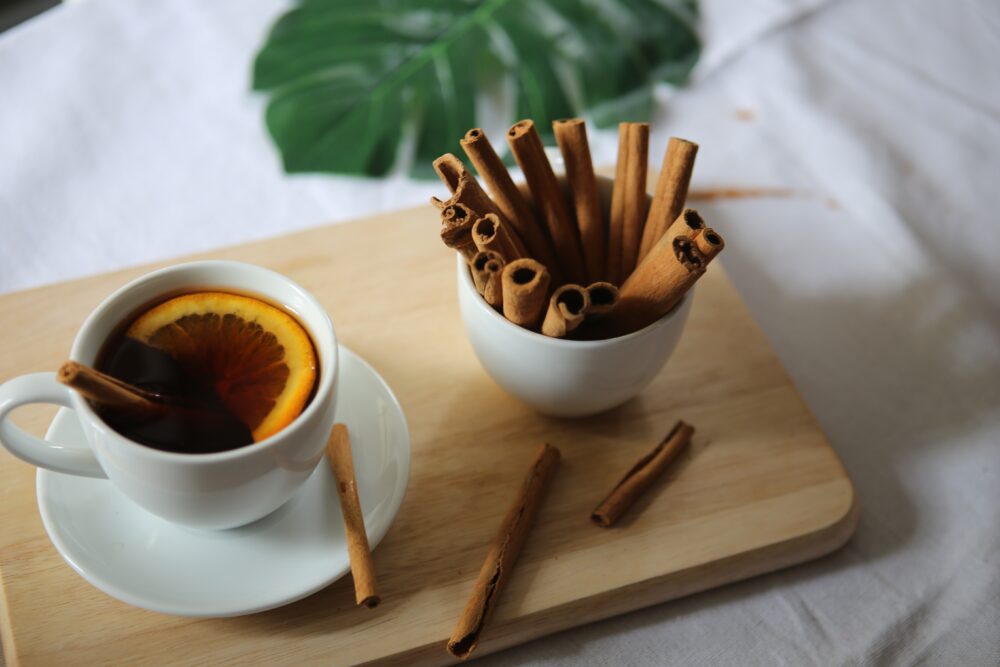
[552,256]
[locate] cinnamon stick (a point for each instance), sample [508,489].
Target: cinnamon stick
[106,390]
[603,298]
[642,475]
[616,215]
[525,284]
[633,207]
[503,553]
[489,233]
[567,308]
[338,452]
[571,135]
[671,191]
[515,208]
[549,199]
[487,269]
[456,229]
[709,243]
[688,223]
[657,284]
[464,187]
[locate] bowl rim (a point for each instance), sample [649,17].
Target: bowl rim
[465,282]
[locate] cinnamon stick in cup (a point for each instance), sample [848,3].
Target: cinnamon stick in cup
[525,288]
[503,553]
[106,390]
[688,223]
[567,308]
[487,271]
[338,451]
[464,187]
[512,204]
[602,297]
[671,191]
[571,135]
[489,233]
[642,475]
[659,282]
[709,243]
[456,229]
[634,194]
[549,200]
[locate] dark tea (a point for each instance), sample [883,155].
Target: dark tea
[230,370]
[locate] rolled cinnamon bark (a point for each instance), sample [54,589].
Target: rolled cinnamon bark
[603,298]
[688,223]
[709,243]
[338,453]
[524,226]
[571,135]
[489,233]
[549,200]
[487,271]
[503,553]
[634,195]
[567,308]
[456,229]
[464,187]
[642,475]
[671,191]
[525,288]
[106,390]
[657,284]
[477,267]
[616,216]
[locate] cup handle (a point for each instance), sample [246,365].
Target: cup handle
[42,388]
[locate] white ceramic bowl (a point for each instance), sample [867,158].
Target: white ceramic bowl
[567,378]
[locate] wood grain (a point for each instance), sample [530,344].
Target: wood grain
[760,489]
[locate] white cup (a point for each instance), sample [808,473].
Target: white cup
[567,378]
[218,490]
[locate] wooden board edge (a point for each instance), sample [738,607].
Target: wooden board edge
[7,641]
[745,565]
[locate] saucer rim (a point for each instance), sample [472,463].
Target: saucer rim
[375,536]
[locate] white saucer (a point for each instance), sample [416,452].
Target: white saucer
[148,562]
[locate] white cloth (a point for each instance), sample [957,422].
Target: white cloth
[128,133]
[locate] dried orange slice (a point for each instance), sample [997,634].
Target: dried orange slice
[258,359]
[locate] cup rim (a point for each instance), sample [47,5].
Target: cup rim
[465,282]
[323,391]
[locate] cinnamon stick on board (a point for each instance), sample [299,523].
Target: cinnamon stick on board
[456,229]
[338,452]
[487,270]
[549,200]
[671,191]
[525,285]
[512,204]
[642,475]
[633,194]
[503,553]
[571,135]
[567,308]
[660,281]
[490,234]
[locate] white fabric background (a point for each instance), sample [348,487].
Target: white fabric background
[127,134]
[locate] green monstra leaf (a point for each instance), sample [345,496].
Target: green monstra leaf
[351,82]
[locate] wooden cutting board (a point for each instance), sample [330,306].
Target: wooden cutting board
[761,488]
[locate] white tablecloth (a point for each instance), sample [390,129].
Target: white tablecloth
[128,133]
